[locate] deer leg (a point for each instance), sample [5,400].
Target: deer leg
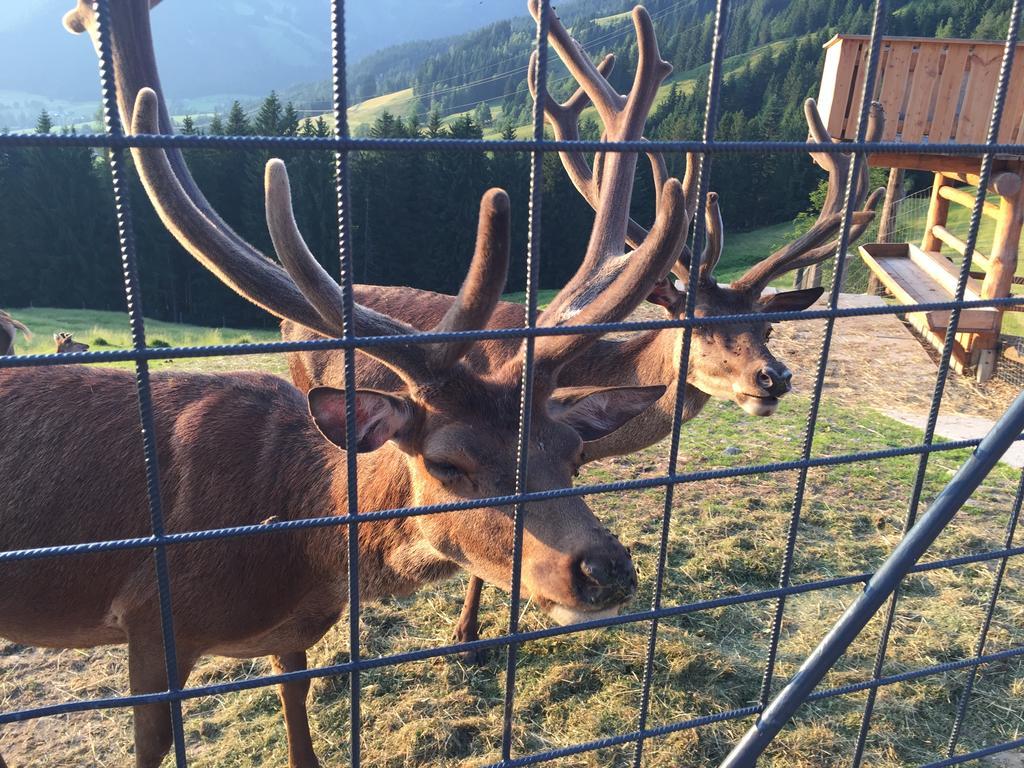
[147,674]
[468,627]
[293,702]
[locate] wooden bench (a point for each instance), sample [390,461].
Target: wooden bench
[914,276]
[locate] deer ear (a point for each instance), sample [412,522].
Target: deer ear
[379,416]
[595,412]
[791,301]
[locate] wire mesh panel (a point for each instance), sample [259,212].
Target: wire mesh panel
[671,700]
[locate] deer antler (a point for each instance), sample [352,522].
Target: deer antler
[564,120]
[610,188]
[303,291]
[808,249]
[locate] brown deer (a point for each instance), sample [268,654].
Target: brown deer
[233,446]
[730,362]
[66,343]
[9,328]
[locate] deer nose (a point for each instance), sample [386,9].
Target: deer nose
[775,379]
[604,579]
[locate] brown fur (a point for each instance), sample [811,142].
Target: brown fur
[453,425]
[724,359]
[231,448]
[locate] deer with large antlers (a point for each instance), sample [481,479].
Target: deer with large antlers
[730,362]
[9,328]
[232,447]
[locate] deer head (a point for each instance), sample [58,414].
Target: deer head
[731,362]
[66,343]
[450,431]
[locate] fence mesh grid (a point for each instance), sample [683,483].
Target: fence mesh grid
[116,141]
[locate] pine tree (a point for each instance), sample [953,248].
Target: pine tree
[289,124]
[435,128]
[483,114]
[188,126]
[268,121]
[238,122]
[43,123]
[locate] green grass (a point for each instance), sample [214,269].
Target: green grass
[110,331]
[727,537]
[742,250]
[544,297]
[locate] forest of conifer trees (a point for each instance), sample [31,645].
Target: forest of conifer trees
[413,212]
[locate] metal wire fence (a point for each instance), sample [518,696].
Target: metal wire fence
[771,714]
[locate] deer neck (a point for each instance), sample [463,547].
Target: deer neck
[394,557]
[644,359]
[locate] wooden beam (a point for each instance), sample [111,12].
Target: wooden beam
[1005,243]
[1004,183]
[966,199]
[966,164]
[938,212]
[887,225]
[960,246]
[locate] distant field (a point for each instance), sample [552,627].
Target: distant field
[110,330]
[399,103]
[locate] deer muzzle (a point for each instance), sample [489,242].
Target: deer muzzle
[594,583]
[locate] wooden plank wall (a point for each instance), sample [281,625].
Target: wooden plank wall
[934,91]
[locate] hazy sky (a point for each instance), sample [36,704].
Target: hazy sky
[209,47]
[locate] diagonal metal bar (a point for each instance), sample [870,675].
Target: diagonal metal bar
[947,351]
[979,647]
[882,585]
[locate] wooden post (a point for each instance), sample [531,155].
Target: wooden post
[999,277]
[810,277]
[938,212]
[890,209]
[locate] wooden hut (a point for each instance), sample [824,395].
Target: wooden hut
[939,92]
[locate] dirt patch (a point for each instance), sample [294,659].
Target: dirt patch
[1007,760]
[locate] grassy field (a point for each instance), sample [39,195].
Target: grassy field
[110,330]
[726,537]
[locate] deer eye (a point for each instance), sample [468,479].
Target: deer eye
[444,470]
